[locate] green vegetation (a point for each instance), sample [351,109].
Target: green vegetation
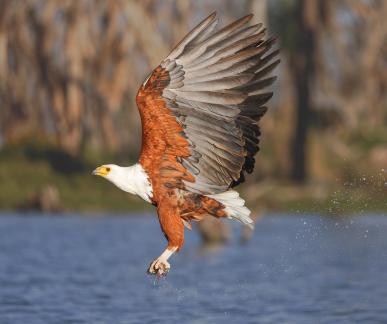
[329,200]
[25,170]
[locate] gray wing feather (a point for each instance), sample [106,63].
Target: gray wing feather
[215,93]
[192,35]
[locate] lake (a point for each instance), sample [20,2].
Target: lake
[295,269]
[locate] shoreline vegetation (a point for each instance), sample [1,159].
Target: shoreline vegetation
[42,178]
[70,71]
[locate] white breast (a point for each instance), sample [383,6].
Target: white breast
[133,180]
[143,185]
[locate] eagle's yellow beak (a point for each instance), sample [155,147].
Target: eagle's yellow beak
[101,171]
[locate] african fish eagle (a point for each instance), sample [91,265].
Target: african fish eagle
[199,110]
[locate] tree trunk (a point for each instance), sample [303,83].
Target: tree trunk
[302,66]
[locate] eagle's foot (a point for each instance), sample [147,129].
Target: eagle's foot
[159,267]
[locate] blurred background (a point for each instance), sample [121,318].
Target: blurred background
[69,74]
[70,70]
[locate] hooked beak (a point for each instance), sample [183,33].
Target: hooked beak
[101,171]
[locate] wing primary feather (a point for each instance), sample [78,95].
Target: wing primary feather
[257,85]
[178,50]
[265,71]
[232,44]
[221,84]
[212,85]
[222,98]
[248,65]
[226,62]
[221,34]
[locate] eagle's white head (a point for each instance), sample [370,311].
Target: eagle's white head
[131,179]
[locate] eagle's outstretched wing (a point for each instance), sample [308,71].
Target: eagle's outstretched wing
[201,105]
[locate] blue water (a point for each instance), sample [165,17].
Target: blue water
[296,269]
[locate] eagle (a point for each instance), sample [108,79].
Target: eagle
[199,111]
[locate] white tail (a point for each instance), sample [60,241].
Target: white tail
[235,206]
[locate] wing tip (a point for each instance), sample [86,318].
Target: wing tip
[210,18]
[248,17]
[244,20]
[213,14]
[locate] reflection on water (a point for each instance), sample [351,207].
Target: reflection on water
[92,270]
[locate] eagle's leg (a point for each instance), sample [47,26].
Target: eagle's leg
[161,266]
[173,228]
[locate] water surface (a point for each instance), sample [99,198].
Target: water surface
[296,269]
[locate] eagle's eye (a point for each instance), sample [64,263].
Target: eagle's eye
[108,169]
